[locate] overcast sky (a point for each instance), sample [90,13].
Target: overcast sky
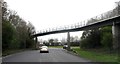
[44,14]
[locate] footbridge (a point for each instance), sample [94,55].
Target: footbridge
[109,18]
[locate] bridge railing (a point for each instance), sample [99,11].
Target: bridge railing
[66,27]
[106,15]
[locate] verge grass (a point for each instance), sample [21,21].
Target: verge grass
[96,56]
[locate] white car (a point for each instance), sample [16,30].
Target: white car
[44,49]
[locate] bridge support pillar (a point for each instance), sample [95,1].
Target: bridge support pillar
[116,36]
[36,41]
[68,41]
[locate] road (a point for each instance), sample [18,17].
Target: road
[54,55]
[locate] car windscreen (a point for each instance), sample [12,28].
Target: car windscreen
[44,47]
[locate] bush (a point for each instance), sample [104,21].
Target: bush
[107,40]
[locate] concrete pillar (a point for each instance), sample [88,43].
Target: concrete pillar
[116,36]
[36,41]
[68,41]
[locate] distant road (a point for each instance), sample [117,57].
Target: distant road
[54,55]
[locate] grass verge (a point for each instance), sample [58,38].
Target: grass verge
[55,46]
[96,56]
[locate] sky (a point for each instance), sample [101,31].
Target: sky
[45,14]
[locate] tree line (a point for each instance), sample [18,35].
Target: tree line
[99,37]
[55,42]
[16,32]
